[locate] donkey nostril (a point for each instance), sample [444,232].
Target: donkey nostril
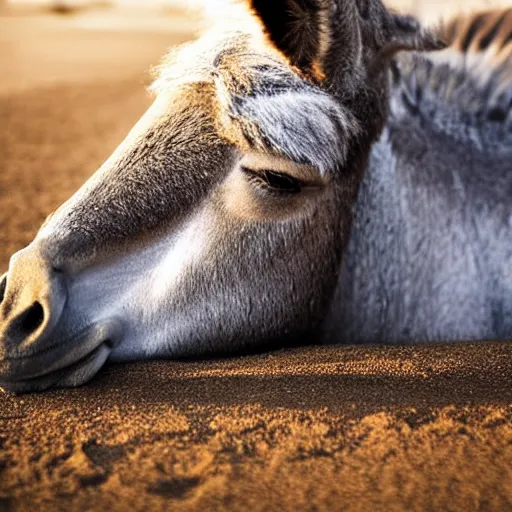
[26,323]
[3,286]
[32,318]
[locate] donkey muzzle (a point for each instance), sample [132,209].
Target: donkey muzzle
[36,351]
[33,295]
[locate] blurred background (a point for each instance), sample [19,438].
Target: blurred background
[426,8]
[43,36]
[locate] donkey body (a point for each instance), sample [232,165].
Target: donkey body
[220,223]
[430,256]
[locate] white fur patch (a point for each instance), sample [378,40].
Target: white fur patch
[186,249]
[306,127]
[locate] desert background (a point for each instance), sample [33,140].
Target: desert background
[337,428]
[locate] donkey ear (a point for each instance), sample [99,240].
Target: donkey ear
[298,28]
[407,33]
[403,33]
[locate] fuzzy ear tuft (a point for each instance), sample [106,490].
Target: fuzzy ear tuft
[404,33]
[407,33]
[297,28]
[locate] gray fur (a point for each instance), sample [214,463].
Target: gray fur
[430,255]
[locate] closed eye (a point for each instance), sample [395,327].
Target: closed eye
[273,180]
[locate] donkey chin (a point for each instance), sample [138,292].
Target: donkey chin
[41,348]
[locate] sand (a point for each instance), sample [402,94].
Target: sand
[311,429]
[337,428]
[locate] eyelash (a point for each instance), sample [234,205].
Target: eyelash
[274,181]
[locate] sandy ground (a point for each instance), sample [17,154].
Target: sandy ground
[347,428]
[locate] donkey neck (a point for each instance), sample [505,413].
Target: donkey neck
[421,262]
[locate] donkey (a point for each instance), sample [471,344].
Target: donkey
[219,224]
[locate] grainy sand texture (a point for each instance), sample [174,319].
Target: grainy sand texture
[342,428]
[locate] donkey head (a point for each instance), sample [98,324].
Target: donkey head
[218,225]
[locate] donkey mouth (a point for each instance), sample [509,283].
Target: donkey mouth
[68,364]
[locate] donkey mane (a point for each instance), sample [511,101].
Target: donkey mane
[470,81]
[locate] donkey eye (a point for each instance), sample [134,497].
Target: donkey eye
[276,181]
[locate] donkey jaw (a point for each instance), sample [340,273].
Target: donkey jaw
[68,364]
